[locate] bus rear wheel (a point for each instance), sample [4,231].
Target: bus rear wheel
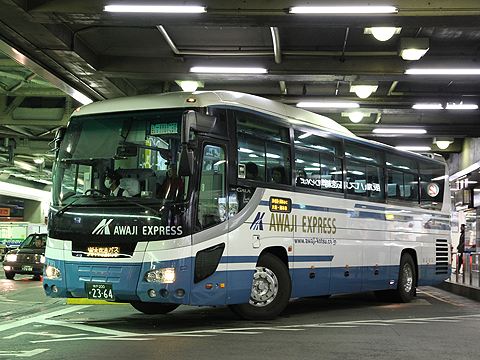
[271,289]
[406,279]
[153,308]
[9,275]
[405,290]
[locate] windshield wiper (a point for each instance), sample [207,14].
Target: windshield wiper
[68,206]
[126,199]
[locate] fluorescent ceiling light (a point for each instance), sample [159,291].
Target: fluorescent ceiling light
[461,107]
[414,148]
[343,10]
[333,105]
[382,33]
[427,107]
[155,9]
[227,70]
[398,131]
[442,71]
[24,192]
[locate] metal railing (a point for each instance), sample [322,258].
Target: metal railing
[470,272]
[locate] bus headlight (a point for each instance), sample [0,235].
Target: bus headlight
[165,276]
[52,272]
[11,257]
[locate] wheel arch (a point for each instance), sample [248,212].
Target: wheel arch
[279,252]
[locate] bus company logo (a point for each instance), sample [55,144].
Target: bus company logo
[103,227]
[433,189]
[258,222]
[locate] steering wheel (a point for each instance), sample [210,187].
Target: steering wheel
[94,191]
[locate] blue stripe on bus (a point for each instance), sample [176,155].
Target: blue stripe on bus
[253,259]
[307,258]
[363,214]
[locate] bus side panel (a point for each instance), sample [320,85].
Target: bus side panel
[376,263]
[245,245]
[346,266]
[213,289]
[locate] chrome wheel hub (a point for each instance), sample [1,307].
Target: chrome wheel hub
[264,287]
[407,278]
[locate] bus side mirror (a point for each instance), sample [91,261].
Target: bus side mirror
[192,120]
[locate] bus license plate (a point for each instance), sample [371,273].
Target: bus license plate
[27,268]
[100,291]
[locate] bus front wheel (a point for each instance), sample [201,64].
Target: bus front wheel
[153,308]
[271,289]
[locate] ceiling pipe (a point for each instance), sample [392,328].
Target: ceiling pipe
[392,88]
[347,31]
[267,52]
[276,44]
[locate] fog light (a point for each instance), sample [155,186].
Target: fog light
[152,293]
[54,289]
[165,276]
[7,268]
[180,293]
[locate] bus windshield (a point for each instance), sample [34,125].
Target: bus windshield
[138,151]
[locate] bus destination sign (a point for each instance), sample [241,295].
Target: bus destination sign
[280,205]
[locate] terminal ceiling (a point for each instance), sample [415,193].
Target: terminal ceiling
[51,51]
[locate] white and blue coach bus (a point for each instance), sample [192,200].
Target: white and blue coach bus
[237,200]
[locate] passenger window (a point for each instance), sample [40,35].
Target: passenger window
[401,163]
[278,164]
[212,203]
[331,168]
[307,169]
[432,180]
[307,139]
[318,171]
[364,180]
[402,186]
[363,153]
[251,154]
[259,126]
[264,161]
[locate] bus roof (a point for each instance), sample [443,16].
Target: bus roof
[212,98]
[229,99]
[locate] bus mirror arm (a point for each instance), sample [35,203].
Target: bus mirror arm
[185,163]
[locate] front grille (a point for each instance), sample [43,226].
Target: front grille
[442,253]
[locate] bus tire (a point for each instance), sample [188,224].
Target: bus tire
[406,279]
[153,308]
[271,289]
[9,275]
